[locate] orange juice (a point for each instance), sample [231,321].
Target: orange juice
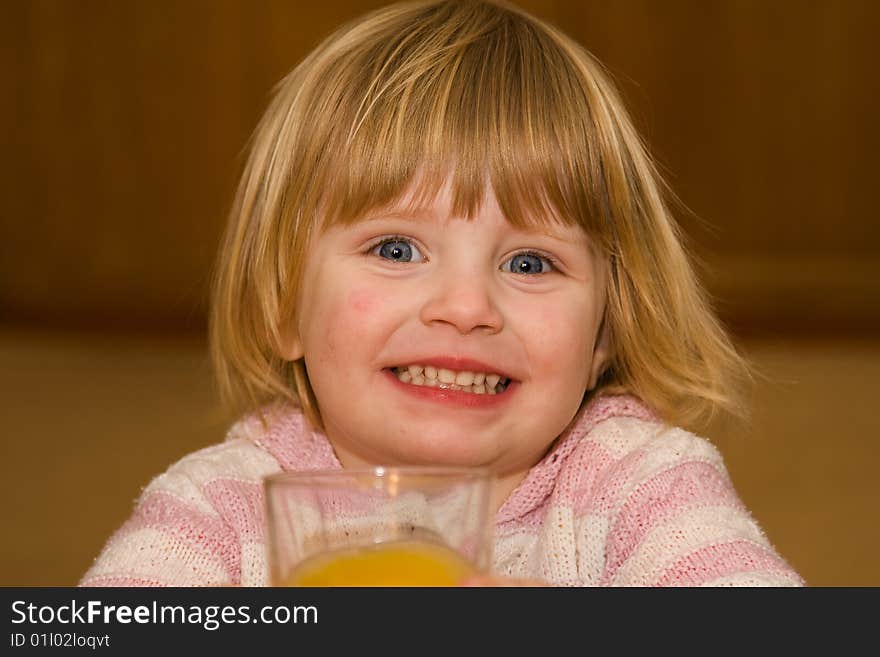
[396,563]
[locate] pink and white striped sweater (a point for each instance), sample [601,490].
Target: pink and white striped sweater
[621,500]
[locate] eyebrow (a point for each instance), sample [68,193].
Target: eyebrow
[401,213]
[423,215]
[550,232]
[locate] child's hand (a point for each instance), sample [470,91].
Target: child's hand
[495,580]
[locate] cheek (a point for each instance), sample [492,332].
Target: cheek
[362,302]
[561,344]
[344,321]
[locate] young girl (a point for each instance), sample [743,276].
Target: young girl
[449,247]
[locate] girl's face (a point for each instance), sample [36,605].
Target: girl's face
[431,294]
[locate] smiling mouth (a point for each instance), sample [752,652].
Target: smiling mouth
[478,383]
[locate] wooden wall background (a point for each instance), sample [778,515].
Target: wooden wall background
[123,125]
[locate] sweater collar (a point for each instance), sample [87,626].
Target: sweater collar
[540,480]
[284,432]
[288,437]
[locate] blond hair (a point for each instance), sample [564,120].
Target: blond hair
[487,95]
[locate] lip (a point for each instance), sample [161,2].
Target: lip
[458,365]
[453,397]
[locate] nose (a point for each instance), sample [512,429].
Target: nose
[465,301]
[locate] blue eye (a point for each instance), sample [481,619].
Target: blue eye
[528,263]
[397,250]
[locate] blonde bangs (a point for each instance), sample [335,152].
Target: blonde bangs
[465,92]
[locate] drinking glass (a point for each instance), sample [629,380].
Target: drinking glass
[384,526]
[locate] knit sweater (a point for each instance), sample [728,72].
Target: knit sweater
[620,500]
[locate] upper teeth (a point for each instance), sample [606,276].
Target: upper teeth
[471,381]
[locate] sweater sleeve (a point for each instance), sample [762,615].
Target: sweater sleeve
[188,526]
[681,523]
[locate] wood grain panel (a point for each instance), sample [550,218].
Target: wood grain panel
[126,121]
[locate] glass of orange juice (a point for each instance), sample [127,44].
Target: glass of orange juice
[384,526]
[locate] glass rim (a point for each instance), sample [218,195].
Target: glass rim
[379,472]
